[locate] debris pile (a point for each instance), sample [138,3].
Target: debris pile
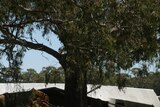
[33,98]
[40,99]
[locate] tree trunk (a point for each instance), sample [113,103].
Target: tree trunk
[75,87]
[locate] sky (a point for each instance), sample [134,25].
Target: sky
[37,59]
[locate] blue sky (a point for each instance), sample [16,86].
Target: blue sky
[38,59]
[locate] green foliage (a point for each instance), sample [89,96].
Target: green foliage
[151,82]
[52,75]
[29,76]
[48,74]
[110,29]
[138,77]
[10,75]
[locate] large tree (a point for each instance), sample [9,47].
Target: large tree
[96,34]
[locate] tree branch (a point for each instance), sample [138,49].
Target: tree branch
[22,24]
[21,7]
[32,45]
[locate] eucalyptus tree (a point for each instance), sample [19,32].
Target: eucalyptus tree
[29,76]
[10,74]
[99,34]
[52,75]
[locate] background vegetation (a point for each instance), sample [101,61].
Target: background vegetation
[135,77]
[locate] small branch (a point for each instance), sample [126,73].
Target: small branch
[31,10]
[22,24]
[94,89]
[2,73]
[76,4]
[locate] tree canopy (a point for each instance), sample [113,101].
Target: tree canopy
[107,35]
[107,28]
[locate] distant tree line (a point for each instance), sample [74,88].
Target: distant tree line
[138,77]
[48,74]
[135,77]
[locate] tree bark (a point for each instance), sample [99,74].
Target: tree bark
[75,87]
